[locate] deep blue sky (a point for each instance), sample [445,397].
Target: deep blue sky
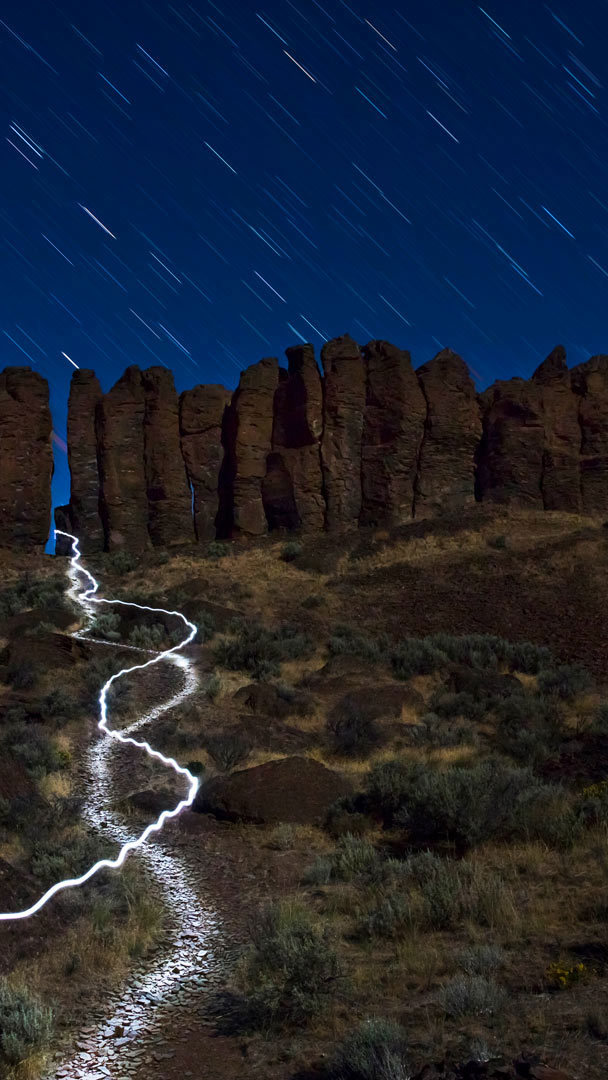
[436,175]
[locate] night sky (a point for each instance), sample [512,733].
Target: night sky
[201,184]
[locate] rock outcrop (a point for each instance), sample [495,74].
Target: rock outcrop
[63,522]
[26,459]
[167,487]
[590,384]
[452,430]
[201,415]
[124,501]
[292,488]
[393,426]
[84,511]
[561,475]
[343,410]
[248,443]
[510,455]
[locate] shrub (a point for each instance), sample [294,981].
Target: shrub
[388,784]
[261,651]
[416,656]
[349,642]
[26,1026]
[480,959]
[392,917]
[228,751]
[353,732]
[599,723]
[121,562]
[593,804]
[432,731]
[32,746]
[376,1050]
[498,542]
[561,976]
[565,681]
[206,625]
[291,550]
[213,686]
[151,636]
[282,837]
[22,675]
[353,856]
[195,767]
[58,705]
[218,550]
[290,970]
[106,625]
[313,601]
[471,995]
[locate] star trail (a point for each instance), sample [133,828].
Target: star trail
[198,184]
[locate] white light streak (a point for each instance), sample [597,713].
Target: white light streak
[322,336]
[15,147]
[165,267]
[58,250]
[388,303]
[442,126]
[299,65]
[375,28]
[151,58]
[497,25]
[558,222]
[70,359]
[96,219]
[221,158]
[270,286]
[381,193]
[145,324]
[87,597]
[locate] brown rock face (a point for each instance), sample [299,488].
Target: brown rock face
[561,485]
[590,383]
[344,405]
[296,789]
[395,412]
[168,491]
[124,502]
[293,485]
[85,516]
[511,452]
[26,459]
[63,546]
[248,442]
[452,431]
[201,413]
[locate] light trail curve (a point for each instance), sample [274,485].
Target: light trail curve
[86,598]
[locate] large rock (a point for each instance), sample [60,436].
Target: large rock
[295,789]
[85,517]
[26,459]
[561,484]
[293,486]
[590,383]
[344,405]
[248,442]
[511,453]
[395,412]
[124,502]
[168,491]
[446,471]
[201,412]
[63,523]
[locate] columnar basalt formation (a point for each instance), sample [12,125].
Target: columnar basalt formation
[590,384]
[293,486]
[124,501]
[248,442]
[452,430]
[201,415]
[167,487]
[393,426]
[343,409]
[63,522]
[26,459]
[510,454]
[84,511]
[372,442]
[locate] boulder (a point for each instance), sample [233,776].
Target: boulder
[63,545]
[294,789]
[201,415]
[393,426]
[561,485]
[248,442]
[124,501]
[452,430]
[590,384]
[293,486]
[343,411]
[26,459]
[167,487]
[83,404]
[511,452]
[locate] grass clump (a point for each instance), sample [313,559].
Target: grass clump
[290,970]
[260,651]
[26,1025]
[121,562]
[291,550]
[376,1050]
[151,636]
[106,625]
[352,731]
[218,550]
[228,751]
[354,856]
[471,995]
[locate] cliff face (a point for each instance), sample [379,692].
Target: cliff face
[26,459]
[369,442]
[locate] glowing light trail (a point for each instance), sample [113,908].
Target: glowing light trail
[86,598]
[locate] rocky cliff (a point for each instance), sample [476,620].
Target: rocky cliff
[369,441]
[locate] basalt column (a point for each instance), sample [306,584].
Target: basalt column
[201,412]
[26,459]
[343,408]
[452,430]
[292,489]
[590,383]
[84,510]
[167,487]
[395,411]
[124,502]
[511,452]
[247,437]
[561,486]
